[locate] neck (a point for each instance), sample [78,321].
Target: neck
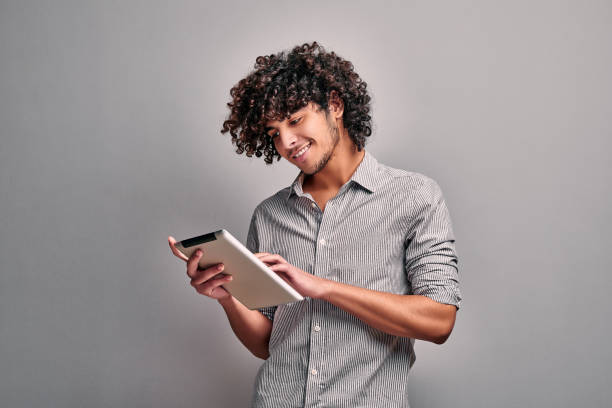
[339,169]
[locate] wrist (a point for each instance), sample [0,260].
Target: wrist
[326,288]
[226,301]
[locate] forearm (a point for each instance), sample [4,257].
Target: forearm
[411,316]
[250,326]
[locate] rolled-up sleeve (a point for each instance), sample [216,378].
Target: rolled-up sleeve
[252,244]
[431,258]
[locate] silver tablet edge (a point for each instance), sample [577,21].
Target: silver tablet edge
[294,293]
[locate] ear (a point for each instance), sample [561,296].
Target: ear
[335,105]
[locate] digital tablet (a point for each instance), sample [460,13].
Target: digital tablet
[253,284]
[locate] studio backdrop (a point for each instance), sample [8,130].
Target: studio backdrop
[110,118]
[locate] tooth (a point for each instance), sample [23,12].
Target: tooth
[301,151]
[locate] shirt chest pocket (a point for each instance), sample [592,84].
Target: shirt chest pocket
[373,261]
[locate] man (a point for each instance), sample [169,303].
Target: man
[370,247]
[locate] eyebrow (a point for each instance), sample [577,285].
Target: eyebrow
[291,117]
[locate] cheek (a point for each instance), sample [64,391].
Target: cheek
[279,148]
[277,144]
[315,130]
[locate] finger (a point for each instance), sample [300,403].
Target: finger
[202,275]
[280,267]
[282,270]
[192,263]
[209,287]
[172,243]
[261,255]
[272,258]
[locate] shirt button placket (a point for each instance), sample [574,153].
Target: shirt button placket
[313,388]
[317,338]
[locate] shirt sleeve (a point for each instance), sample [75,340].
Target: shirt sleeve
[431,258]
[252,244]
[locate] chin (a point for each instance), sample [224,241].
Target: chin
[312,170]
[308,170]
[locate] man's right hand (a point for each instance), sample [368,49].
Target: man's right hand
[207,281]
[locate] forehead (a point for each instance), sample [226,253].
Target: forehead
[311,107]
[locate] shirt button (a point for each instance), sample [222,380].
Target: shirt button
[317,328]
[322,241]
[314,371]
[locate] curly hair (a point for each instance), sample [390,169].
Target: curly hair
[283,83]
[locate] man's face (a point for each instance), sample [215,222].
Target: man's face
[307,138]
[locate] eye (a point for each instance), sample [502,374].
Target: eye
[273,135]
[295,121]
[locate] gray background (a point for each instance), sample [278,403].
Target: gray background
[109,122]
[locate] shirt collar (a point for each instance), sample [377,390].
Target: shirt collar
[366,175]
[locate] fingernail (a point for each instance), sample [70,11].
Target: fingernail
[220,267]
[199,252]
[230,277]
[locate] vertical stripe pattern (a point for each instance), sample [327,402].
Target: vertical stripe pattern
[386,230]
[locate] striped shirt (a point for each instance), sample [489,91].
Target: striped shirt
[387,230]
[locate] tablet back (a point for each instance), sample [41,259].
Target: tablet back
[254,284]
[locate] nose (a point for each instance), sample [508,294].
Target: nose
[287,139]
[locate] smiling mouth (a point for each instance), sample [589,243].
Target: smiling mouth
[301,151]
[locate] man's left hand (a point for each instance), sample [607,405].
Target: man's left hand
[305,283]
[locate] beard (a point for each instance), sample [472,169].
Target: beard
[334,137]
